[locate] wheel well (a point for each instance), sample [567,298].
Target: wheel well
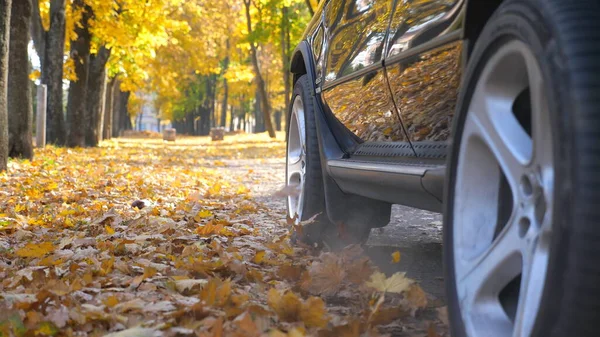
[478,14]
[297,66]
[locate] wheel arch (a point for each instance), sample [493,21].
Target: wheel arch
[478,13]
[302,63]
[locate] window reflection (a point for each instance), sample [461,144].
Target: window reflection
[418,21]
[357,35]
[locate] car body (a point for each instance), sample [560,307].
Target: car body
[487,111]
[387,80]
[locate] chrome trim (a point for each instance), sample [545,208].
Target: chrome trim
[406,169]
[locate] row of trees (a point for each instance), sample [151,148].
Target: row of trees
[205,62]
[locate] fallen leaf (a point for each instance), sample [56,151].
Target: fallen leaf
[396,257]
[397,283]
[188,285]
[313,313]
[416,297]
[35,250]
[135,332]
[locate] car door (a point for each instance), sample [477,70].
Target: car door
[354,86]
[423,65]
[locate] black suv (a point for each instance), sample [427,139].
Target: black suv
[487,111]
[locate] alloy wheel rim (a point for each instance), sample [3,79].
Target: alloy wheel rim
[503,197]
[296,159]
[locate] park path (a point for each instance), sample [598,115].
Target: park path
[144,238]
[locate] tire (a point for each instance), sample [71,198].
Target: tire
[507,196]
[321,232]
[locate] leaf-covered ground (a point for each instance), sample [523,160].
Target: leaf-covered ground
[145,238]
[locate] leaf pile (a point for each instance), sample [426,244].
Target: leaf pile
[145,238]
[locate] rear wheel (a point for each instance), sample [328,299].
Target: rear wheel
[304,177]
[520,218]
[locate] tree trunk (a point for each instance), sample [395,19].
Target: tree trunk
[260,83]
[108,109]
[231,116]
[225,87]
[20,109]
[278,120]
[5,8]
[124,118]
[95,96]
[259,124]
[38,35]
[52,73]
[76,106]
[285,56]
[224,104]
[116,103]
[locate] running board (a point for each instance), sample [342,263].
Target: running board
[412,184]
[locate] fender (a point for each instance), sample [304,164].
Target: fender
[342,208]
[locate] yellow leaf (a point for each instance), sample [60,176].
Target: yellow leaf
[111,301]
[416,297]
[203,214]
[313,313]
[396,257]
[396,283]
[35,250]
[287,307]
[34,75]
[46,329]
[109,230]
[259,257]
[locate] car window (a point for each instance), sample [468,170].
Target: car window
[357,30]
[418,21]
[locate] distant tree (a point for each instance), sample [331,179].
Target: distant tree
[262,95]
[5,8]
[80,53]
[50,47]
[20,109]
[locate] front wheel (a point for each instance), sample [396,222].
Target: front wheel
[521,221]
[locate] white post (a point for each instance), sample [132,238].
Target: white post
[40,130]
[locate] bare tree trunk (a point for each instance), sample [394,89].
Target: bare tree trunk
[5,8]
[76,106]
[108,109]
[20,109]
[94,99]
[52,72]
[260,82]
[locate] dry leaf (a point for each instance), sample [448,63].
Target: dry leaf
[416,297]
[397,283]
[326,277]
[135,332]
[396,257]
[35,250]
[313,313]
